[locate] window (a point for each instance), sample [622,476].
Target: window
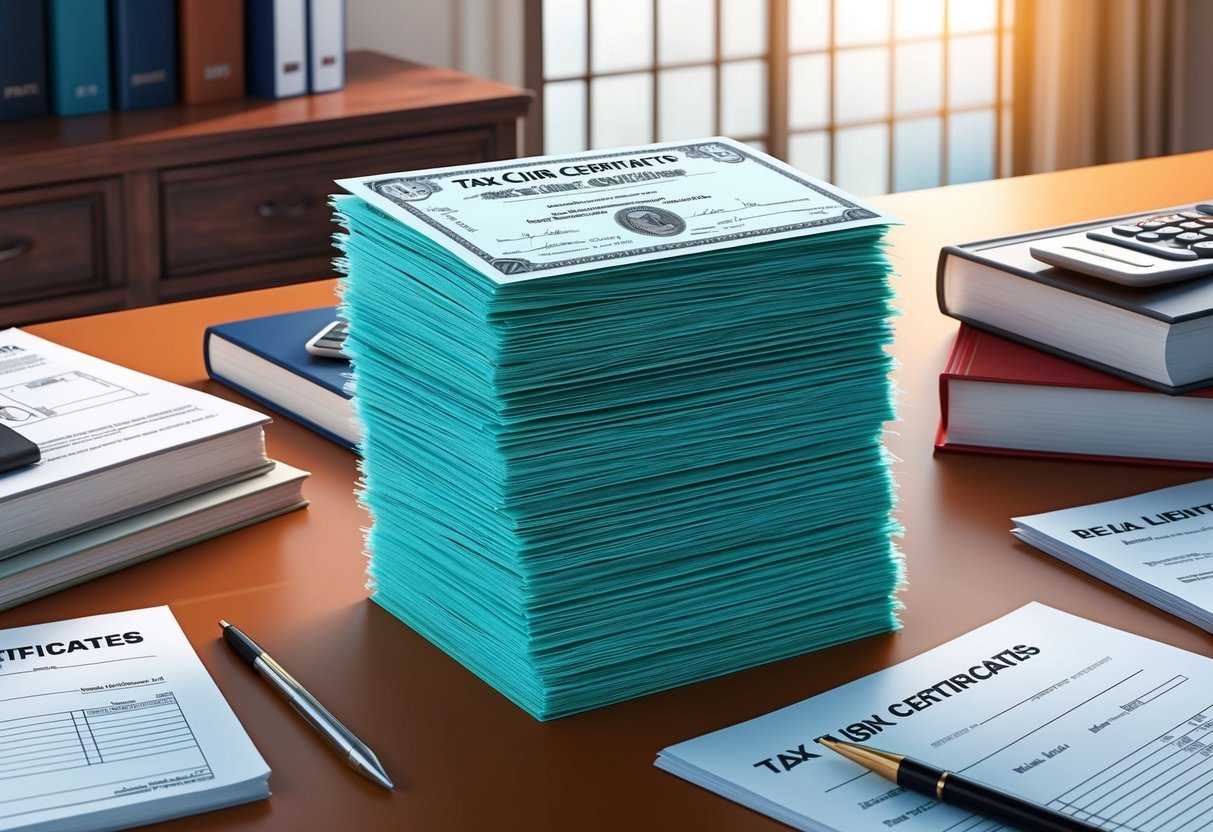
[874,95]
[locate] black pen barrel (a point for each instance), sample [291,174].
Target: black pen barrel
[983,800]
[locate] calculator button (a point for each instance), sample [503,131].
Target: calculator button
[1163,251]
[1168,231]
[1208,231]
[1204,249]
[1189,237]
[1205,208]
[1191,225]
[1151,225]
[1191,215]
[1149,237]
[1126,230]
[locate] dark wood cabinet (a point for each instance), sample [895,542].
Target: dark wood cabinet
[118,210]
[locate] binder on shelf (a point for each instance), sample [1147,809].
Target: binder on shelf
[212,50]
[326,45]
[143,42]
[22,60]
[77,39]
[276,47]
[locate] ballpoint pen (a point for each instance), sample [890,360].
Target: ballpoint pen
[351,749]
[947,787]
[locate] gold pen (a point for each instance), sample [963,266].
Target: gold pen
[948,787]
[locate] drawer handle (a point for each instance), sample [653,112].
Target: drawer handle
[14,250]
[295,208]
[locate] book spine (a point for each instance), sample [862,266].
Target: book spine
[212,50]
[22,59]
[276,47]
[326,45]
[77,35]
[143,41]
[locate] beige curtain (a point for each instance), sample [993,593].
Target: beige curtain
[1097,81]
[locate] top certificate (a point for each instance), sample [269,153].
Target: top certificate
[552,215]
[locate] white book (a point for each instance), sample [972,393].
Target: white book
[1091,721]
[113,441]
[326,45]
[121,725]
[98,551]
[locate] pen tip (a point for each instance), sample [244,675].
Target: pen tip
[223,625]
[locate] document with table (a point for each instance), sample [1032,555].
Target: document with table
[111,721]
[1091,721]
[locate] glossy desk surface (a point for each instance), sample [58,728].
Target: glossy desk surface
[463,757]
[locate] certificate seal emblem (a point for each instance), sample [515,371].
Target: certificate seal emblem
[403,191]
[655,222]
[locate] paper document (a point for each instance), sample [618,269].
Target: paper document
[1157,545]
[1086,719]
[551,215]
[86,414]
[112,720]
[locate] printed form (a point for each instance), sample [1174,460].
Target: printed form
[112,721]
[1086,719]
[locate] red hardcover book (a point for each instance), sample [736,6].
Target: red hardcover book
[998,396]
[212,50]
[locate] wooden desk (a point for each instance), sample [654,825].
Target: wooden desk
[465,758]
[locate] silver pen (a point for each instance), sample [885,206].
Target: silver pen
[348,747]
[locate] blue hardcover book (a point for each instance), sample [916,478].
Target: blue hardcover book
[265,359]
[275,33]
[22,59]
[77,37]
[143,39]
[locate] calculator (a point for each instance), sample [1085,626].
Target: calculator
[329,342]
[1150,250]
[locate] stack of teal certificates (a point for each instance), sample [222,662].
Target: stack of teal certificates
[622,415]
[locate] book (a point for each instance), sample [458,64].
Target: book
[114,442]
[212,50]
[143,50]
[998,396]
[264,358]
[1160,337]
[111,721]
[1058,710]
[1157,545]
[326,45]
[22,60]
[608,401]
[77,35]
[275,33]
[149,534]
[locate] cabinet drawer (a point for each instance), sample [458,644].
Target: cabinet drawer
[223,217]
[56,241]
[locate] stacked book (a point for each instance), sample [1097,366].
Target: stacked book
[622,415]
[130,467]
[1052,362]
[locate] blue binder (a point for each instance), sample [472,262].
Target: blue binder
[143,37]
[77,35]
[22,59]
[275,60]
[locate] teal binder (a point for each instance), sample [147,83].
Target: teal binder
[77,33]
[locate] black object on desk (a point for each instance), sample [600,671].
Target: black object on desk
[958,791]
[15,450]
[354,751]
